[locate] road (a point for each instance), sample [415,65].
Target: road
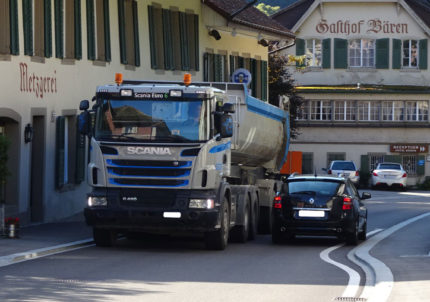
[307,269]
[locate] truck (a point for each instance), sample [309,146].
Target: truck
[182,158]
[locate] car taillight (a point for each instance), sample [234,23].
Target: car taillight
[277,202]
[357,173]
[375,174]
[347,203]
[329,172]
[404,175]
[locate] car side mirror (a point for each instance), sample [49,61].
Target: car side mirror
[366,195]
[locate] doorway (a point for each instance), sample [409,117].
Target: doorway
[37,169]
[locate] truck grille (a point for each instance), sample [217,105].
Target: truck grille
[150,198]
[145,173]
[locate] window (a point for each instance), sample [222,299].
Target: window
[393,111]
[410,53]
[303,111]
[70,152]
[128,32]
[320,110]
[361,53]
[409,163]
[375,159]
[416,111]
[334,156]
[98,30]
[174,39]
[314,52]
[307,163]
[344,111]
[68,32]
[368,111]
[37,28]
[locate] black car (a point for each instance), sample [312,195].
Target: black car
[319,205]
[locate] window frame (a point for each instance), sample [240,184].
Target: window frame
[311,51]
[319,109]
[360,51]
[409,49]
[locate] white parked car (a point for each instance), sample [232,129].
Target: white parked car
[389,174]
[345,168]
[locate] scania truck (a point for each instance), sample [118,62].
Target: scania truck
[181,157]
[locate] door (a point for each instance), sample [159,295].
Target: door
[37,169]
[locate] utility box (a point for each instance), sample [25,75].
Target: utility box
[293,163]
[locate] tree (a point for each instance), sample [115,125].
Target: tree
[281,83]
[267,9]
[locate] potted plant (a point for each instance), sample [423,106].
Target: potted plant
[12,227]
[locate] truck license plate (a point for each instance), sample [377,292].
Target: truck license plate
[172,214]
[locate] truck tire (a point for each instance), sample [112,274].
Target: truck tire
[240,233]
[218,240]
[103,237]
[253,227]
[265,221]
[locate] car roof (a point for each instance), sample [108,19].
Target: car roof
[316,177]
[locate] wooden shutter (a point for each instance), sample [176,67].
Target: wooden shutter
[264,80]
[27,12]
[80,157]
[167,39]
[48,28]
[176,40]
[78,30]
[121,21]
[91,36]
[423,54]
[326,53]
[136,34]
[14,38]
[253,70]
[205,67]
[5,31]
[300,50]
[241,62]
[196,43]
[382,53]
[108,55]
[59,152]
[340,53]
[397,54]
[218,68]
[59,30]
[421,168]
[184,42]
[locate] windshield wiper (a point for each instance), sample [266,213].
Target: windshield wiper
[175,138]
[119,136]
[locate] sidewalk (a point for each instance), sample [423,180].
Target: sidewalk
[44,239]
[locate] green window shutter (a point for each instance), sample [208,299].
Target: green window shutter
[196,41]
[232,60]
[340,53]
[59,152]
[264,80]
[218,76]
[91,36]
[136,35]
[167,39]
[27,12]
[121,20]
[48,28]
[78,30]
[184,42]
[107,30]
[393,158]
[59,30]
[382,53]
[397,53]
[152,35]
[421,169]
[326,53]
[14,38]
[423,54]
[300,49]
[253,67]
[241,62]
[80,157]
[205,67]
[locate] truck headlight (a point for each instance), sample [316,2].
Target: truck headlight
[97,201]
[201,204]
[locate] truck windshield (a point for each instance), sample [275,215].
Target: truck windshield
[154,120]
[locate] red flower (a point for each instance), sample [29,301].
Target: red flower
[11,220]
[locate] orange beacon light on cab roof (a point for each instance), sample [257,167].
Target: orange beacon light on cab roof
[187,79]
[118,78]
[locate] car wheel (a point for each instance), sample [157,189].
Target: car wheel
[363,234]
[103,237]
[277,236]
[217,240]
[352,237]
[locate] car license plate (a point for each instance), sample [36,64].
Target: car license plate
[310,213]
[172,214]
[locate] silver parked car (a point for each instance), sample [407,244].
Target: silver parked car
[389,174]
[345,168]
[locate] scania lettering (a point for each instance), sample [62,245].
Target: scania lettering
[175,158]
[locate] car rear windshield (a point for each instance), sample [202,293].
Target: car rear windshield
[389,166]
[315,186]
[349,166]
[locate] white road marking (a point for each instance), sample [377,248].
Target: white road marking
[38,253]
[383,277]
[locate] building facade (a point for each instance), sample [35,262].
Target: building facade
[365,82]
[53,54]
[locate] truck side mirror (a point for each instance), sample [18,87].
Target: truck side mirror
[226,126]
[84,123]
[84,105]
[228,108]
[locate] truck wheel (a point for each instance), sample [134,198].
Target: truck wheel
[253,223]
[104,237]
[265,221]
[217,240]
[240,233]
